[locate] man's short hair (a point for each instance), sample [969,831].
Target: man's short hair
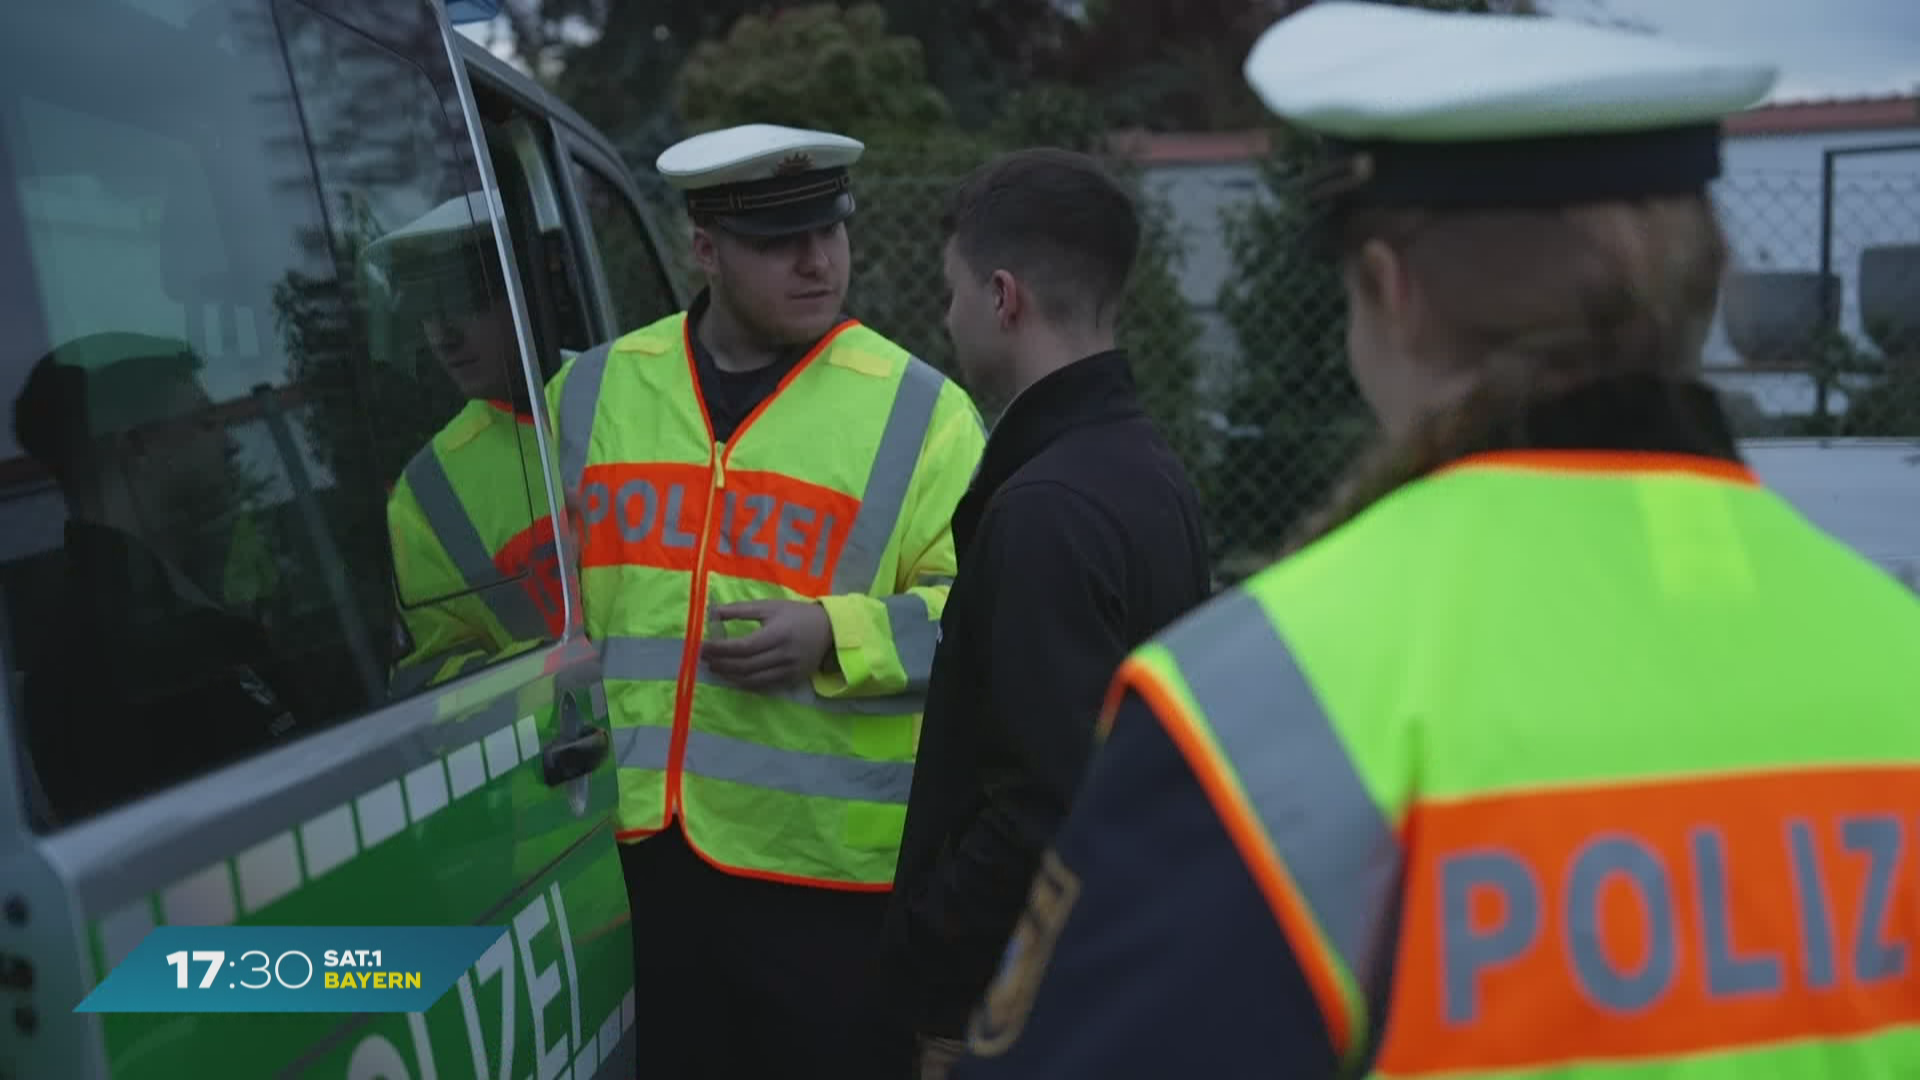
[1054,219]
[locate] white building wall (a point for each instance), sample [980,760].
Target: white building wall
[1770,200]
[1196,196]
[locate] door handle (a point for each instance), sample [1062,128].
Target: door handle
[565,760]
[576,752]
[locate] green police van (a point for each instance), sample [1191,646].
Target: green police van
[263,260]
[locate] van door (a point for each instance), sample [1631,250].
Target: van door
[288,633]
[624,247]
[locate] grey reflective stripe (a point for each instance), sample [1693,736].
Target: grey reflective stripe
[915,633]
[641,659]
[933,581]
[717,757]
[447,517]
[646,747]
[579,402]
[892,473]
[1302,785]
[658,659]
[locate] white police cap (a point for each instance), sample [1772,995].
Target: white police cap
[461,214]
[1458,110]
[440,262]
[764,179]
[435,243]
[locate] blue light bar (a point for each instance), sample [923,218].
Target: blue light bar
[471,11]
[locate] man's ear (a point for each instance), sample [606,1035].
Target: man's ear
[706,250]
[1009,299]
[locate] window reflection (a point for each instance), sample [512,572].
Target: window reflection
[221,383]
[450,427]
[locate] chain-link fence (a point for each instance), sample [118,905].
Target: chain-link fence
[1237,333]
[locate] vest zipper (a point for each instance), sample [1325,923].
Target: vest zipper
[696,608]
[696,633]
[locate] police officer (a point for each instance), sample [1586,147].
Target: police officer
[467,515]
[1561,743]
[765,487]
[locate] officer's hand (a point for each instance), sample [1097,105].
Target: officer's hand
[793,639]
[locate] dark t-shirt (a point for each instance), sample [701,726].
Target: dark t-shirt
[731,396]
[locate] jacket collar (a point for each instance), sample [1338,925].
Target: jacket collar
[1097,389]
[1631,413]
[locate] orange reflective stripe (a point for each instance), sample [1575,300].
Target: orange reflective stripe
[1243,826]
[784,530]
[770,527]
[1657,919]
[507,408]
[1606,461]
[532,556]
[644,515]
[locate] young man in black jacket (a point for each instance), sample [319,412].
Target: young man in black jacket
[1079,538]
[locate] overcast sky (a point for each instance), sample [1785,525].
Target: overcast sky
[1826,48]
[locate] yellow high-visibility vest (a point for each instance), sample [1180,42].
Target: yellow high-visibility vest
[839,488]
[473,547]
[1573,764]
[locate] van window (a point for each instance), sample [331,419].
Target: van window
[216,382]
[449,404]
[641,293]
[519,143]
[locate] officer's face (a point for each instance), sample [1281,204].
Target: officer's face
[789,289]
[974,325]
[475,350]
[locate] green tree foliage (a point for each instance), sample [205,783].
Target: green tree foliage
[844,70]
[617,61]
[808,64]
[1295,411]
[1168,65]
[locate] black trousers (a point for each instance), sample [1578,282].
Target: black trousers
[740,977]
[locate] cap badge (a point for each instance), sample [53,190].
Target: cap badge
[797,162]
[1340,176]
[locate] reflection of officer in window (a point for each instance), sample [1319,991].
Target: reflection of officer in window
[460,516]
[136,679]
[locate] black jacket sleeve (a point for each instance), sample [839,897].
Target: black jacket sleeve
[1053,633]
[1148,950]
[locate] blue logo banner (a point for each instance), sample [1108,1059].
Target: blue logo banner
[283,969]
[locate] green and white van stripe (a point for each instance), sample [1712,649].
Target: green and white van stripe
[218,894]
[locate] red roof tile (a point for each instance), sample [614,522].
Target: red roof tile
[1835,114]
[1189,147]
